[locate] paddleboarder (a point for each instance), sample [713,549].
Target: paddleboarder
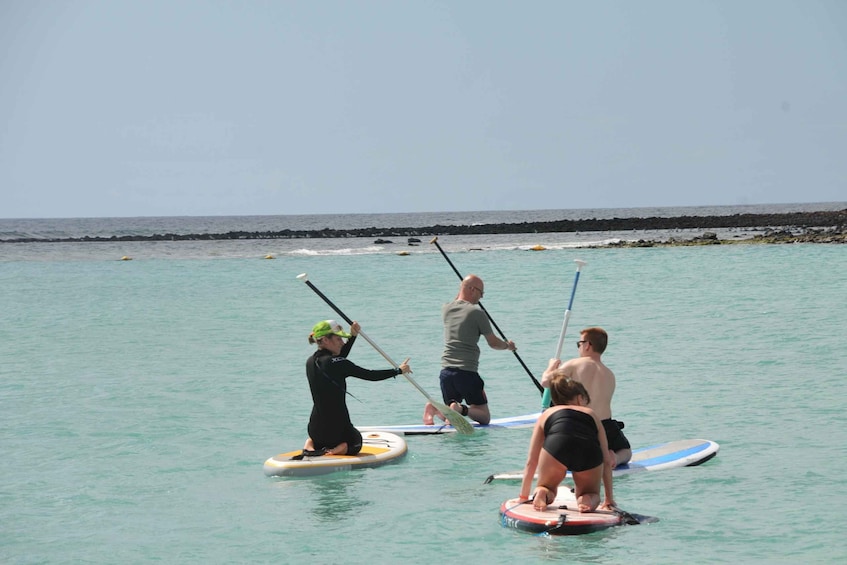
[330,429]
[599,381]
[568,436]
[464,323]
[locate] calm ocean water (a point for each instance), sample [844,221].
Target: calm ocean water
[139,399]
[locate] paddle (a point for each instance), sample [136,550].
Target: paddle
[546,399]
[456,420]
[493,323]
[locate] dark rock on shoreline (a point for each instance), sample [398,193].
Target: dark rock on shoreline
[823,226]
[797,235]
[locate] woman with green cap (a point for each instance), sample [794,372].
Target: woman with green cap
[330,428]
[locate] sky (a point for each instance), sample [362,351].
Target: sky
[124,108]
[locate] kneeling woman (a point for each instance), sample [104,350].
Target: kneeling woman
[330,428]
[568,436]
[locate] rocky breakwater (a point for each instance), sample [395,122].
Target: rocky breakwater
[823,226]
[798,227]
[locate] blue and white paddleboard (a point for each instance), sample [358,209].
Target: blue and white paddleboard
[526,421]
[669,455]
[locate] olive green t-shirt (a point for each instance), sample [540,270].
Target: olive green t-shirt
[464,323]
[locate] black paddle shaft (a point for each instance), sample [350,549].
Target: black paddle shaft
[493,323]
[330,302]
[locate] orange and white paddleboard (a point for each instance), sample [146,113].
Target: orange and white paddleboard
[378,448]
[562,517]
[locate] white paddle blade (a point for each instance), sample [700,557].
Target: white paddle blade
[303,277]
[579,264]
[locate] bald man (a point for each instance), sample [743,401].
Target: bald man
[464,323]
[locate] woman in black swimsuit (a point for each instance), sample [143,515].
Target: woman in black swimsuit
[568,436]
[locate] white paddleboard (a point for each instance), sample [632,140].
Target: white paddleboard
[669,455]
[377,448]
[563,518]
[512,422]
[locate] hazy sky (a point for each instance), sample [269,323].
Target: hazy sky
[180,107]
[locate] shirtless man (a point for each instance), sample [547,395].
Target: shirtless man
[599,381]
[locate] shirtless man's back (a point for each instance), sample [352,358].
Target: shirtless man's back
[600,383]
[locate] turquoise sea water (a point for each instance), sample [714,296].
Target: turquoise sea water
[139,399]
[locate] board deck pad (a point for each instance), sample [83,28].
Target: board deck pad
[511,422]
[378,448]
[563,518]
[669,455]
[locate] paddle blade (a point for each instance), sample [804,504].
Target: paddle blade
[456,420]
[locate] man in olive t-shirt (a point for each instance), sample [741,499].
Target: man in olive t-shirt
[464,322]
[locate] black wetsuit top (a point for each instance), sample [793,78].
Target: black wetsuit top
[329,423]
[571,437]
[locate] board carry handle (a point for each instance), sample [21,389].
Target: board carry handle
[546,399]
[456,420]
[493,323]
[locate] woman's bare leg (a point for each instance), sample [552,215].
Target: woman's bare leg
[587,488]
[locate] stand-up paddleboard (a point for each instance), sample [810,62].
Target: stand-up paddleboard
[681,453]
[562,517]
[377,448]
[512,422]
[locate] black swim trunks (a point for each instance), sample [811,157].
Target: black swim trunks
[614,435]
[571,437]
[458,385]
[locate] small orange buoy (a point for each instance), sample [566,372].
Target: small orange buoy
[126,258]
[537,248]
[269,257]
